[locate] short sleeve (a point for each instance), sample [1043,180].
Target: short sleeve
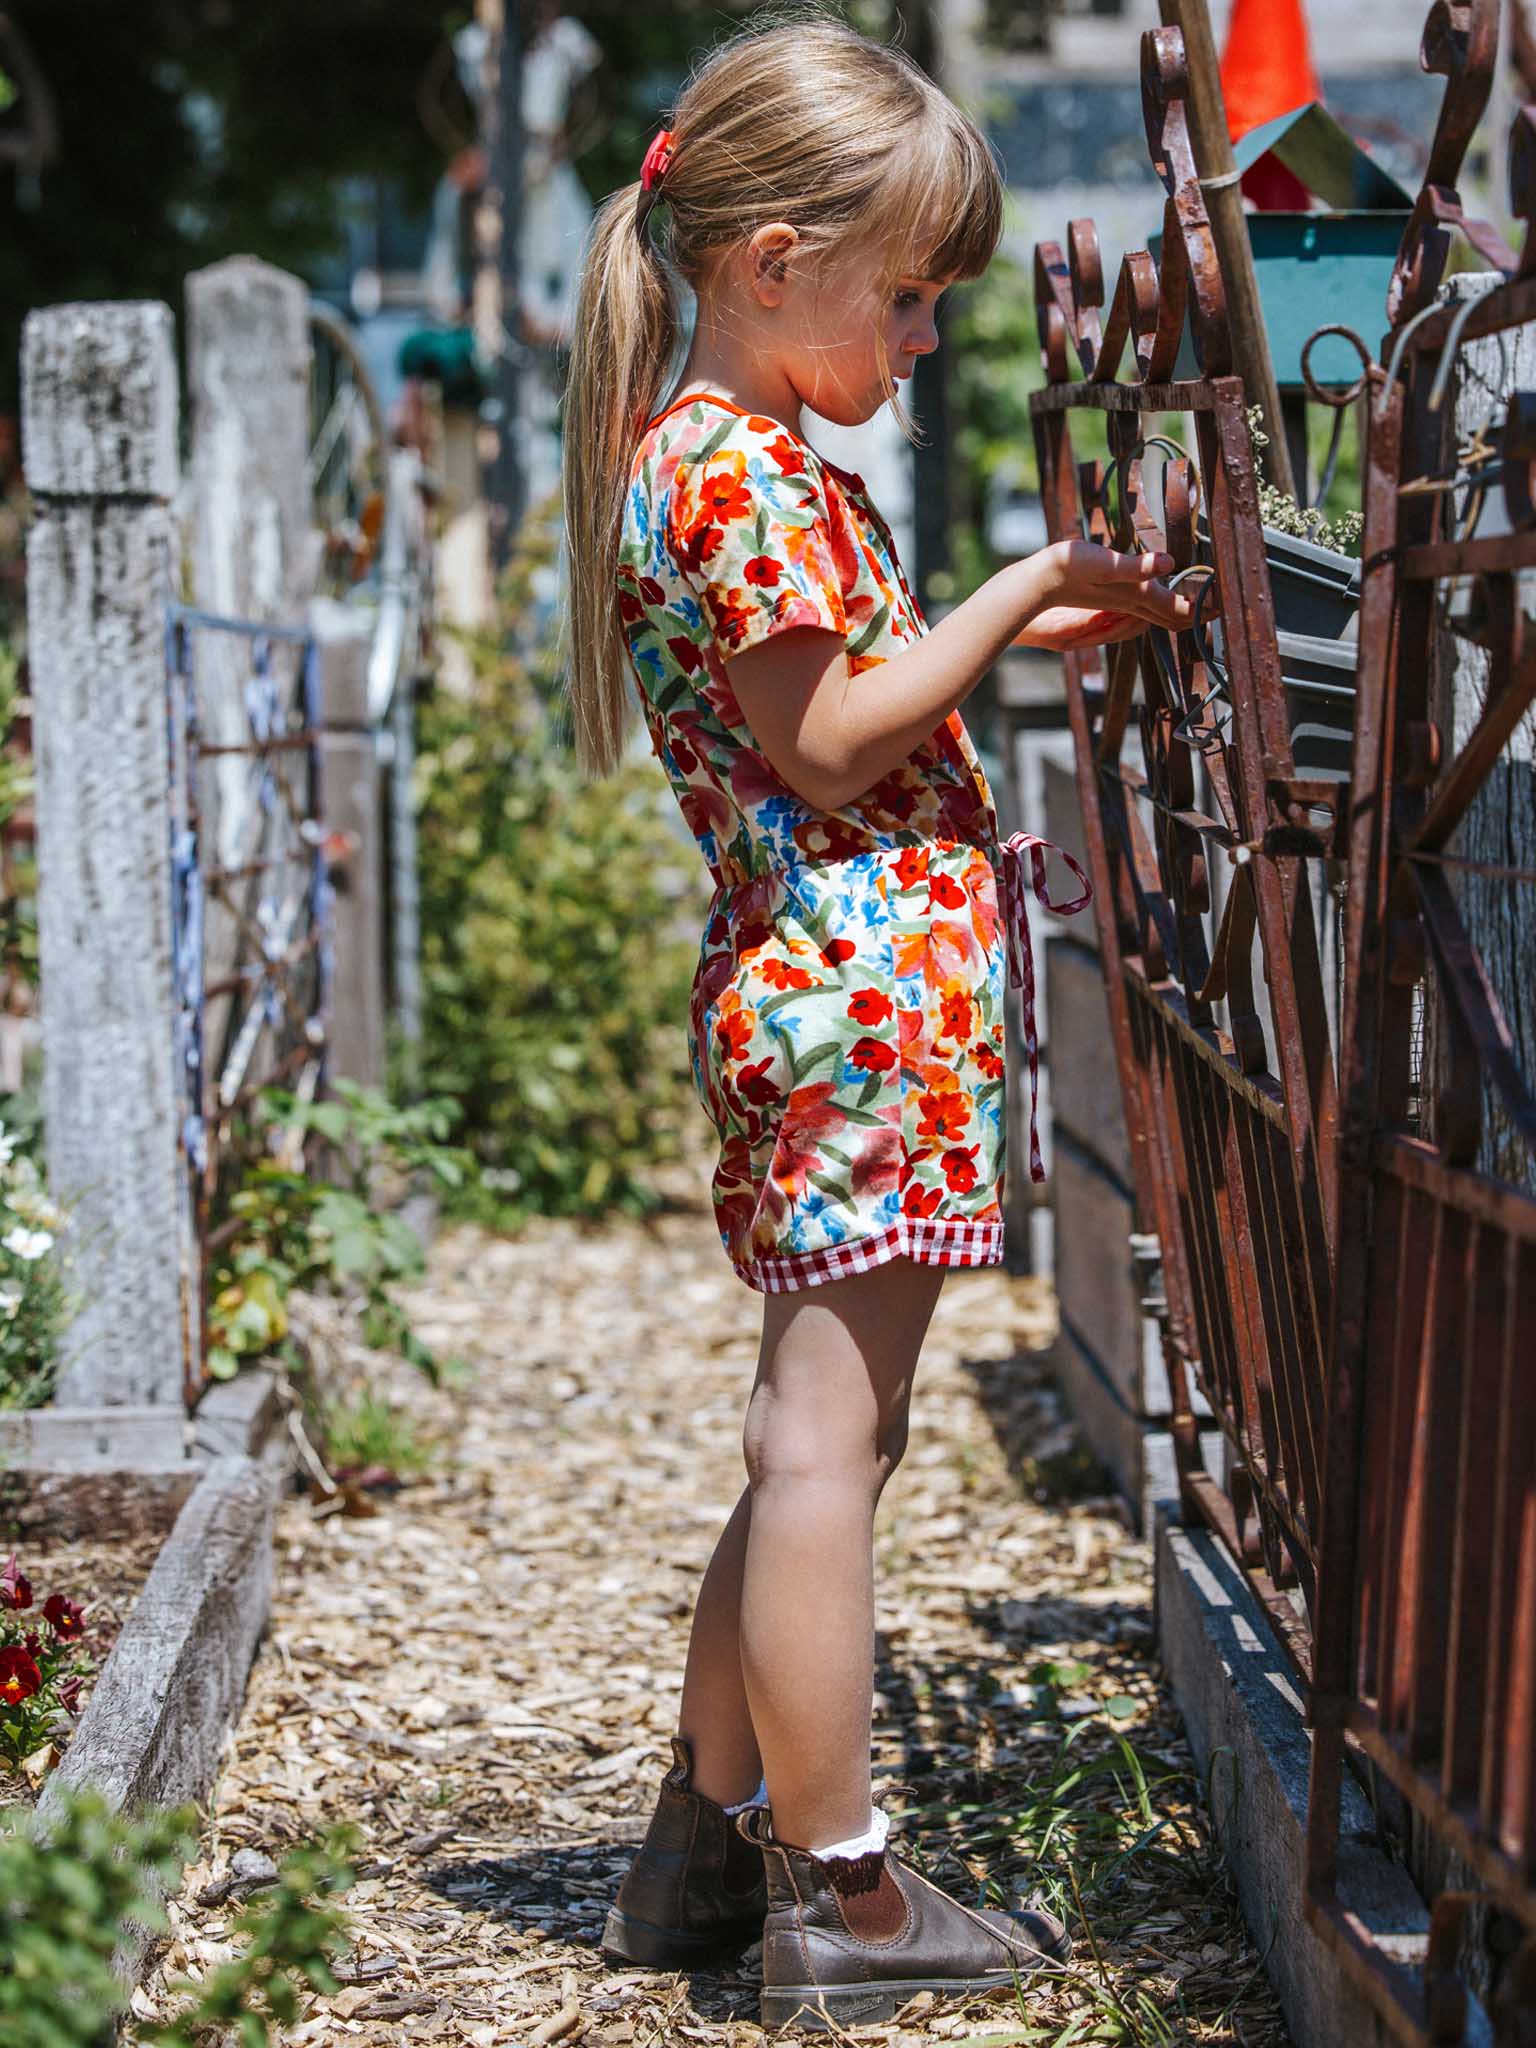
[748,526]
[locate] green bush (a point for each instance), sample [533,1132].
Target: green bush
[560,923]
[63,1908]
[302,1229]
[68,1896]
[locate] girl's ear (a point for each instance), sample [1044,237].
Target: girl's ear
[768,254]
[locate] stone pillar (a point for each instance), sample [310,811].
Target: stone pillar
[250,536]
[99,411]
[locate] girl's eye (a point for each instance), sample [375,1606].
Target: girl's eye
[906,299]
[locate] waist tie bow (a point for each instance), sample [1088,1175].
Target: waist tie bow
[1021,958]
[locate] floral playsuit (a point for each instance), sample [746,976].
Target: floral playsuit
[847,1013]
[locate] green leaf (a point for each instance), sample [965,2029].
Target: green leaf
[871,632]
[1121,1707]
[814,1057]
[716,441]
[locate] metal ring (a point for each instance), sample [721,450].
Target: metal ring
[1334,394]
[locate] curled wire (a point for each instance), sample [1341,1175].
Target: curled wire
[1194,709]
[1118,467]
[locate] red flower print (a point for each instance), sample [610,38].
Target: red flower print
[734,1034]
[960,1168]
[719,930]
[723,495]
[790,459]
[732,616]
[687,654]
[911,866]
[836,951]
[809,1115]
[830,838]
[944,1115]
[877,1164]
[652,591]
[869,1006]
[763,569]
[19,1676]
[873,1055]
[753,1084]
[631,610]
[945,891]
[779,974]
[920,1201]
[64,1616]
[15,1587]
[894,795]
[989,1062]
[757,423]
[696,546]
[955,1009]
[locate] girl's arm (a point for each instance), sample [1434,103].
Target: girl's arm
[830,734]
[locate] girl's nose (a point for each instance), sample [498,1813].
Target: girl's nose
[922,341]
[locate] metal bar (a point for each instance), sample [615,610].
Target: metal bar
[1184,397]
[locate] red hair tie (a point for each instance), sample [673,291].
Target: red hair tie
[657,158]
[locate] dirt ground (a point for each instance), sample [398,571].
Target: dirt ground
[484,1674]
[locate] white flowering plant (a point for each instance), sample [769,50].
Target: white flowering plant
[35,1300]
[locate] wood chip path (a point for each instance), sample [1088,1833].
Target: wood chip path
[483,1676]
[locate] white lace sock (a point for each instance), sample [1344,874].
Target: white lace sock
[758,1798]
[860,1845]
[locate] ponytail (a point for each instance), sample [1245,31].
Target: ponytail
[626,334]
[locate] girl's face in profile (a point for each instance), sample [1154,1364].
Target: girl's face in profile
[837,319]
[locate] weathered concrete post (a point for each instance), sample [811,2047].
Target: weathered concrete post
[350,778]
[99,407]
[250,531]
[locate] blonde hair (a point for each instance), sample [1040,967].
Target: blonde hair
[805,121]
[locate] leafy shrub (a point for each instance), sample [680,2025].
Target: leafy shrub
[366,1435]
[302,1230]
[560,925]
[64,1902]
[68,1893]
[18,903]
[35,1301]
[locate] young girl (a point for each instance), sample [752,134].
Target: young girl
[847,1018]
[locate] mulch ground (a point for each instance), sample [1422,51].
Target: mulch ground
[483,1675]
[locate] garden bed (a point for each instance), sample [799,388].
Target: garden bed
[104,1575]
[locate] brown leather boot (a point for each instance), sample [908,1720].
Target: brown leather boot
[852,1940]
[696,1889]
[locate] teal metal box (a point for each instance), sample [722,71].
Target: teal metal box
[1314,269]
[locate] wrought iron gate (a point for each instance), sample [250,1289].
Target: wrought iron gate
[1349,1264]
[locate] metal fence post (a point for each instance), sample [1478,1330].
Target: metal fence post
[99,404]
[353,808]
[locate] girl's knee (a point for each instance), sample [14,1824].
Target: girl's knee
[780,1445]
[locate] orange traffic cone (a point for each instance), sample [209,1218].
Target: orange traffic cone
[1266,70]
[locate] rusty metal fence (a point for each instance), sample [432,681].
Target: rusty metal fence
[1348,1260]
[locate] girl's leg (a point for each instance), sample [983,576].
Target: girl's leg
[826,1426]
[714,1714]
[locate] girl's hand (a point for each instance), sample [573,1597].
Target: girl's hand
[1082,577]
[1063,626]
